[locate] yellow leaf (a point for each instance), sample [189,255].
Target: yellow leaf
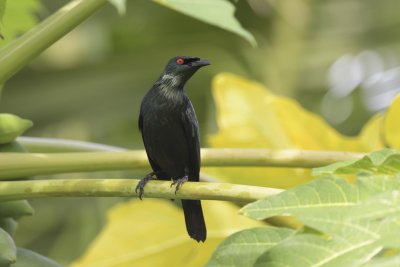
[370,135]
[391,125]
[152,233]
[250,116]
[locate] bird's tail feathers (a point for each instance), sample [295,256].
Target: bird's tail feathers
[194,219]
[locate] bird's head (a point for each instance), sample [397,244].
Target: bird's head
[181,68]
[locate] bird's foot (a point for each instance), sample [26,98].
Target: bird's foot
[142,183]
[179,182]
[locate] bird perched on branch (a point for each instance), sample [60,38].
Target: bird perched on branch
[170,133]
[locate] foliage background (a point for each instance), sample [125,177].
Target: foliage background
[338,58]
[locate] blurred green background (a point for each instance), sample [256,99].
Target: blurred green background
[338,58]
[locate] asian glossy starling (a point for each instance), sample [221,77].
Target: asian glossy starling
[170,133]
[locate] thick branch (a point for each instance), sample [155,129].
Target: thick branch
[14,165]
[57,145]
[126,187]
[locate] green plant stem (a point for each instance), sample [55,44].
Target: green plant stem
[56,145]
[18,53]
[126,188]
[14,165]
[256,157]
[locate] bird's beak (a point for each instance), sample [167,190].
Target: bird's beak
[201,62]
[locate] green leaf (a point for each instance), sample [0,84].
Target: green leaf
[377,207]
[374,220]
[27,258]
[316,196]
[326,202]
[219,13]
[2,8]
[377,216]
[311,250]
[371,185]
[244,247]
[120,5]
[390,261]
[352,239]
[356,221]
[7,249]
[19,17]
[386,161]
[15,208]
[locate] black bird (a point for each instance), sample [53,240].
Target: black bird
[170,133]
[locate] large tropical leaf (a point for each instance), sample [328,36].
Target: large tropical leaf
[386,161]
[152,233]
[243,248]
[350,225]
[220,13]
[250,116]
[391,125]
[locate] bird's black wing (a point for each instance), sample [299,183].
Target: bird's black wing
[191,130]
[194,218]
[140,122]
[153,164]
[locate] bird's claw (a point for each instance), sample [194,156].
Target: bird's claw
[179,182]
[142,183]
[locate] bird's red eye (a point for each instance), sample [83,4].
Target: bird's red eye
[180,61]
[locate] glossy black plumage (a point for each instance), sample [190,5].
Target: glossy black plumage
[170,134]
